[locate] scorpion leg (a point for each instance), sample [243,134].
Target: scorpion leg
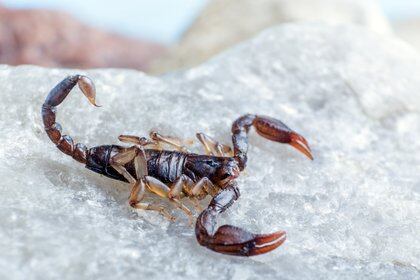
[228,239]
[178,188]
[175,142]
[162,190]
[137,195]
[121,169]
[139,141]
[268,128]
[213,147]
[138,189]
[127,155]
[206,185]
[182,187]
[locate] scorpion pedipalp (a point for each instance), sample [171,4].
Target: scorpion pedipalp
[269,128]
[229,239]
[232,240]
[277,131]
[299,143]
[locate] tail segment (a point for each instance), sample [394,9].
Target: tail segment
[56,96]
[268,128]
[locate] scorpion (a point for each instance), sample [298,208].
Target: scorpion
[175,174]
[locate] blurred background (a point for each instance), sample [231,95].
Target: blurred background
[157,36]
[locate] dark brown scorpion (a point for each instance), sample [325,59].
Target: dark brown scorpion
[175,174]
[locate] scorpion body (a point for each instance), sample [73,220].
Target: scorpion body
[177,174]
[166,166]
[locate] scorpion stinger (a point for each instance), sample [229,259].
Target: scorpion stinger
[177,174]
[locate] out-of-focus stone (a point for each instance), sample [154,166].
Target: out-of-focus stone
[352,213]
[226,22]
[55,39]
[409,31]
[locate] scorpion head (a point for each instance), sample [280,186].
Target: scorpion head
[228,171]
[219,170]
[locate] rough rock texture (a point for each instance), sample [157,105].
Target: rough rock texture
[226,22]
[51,38]
[352,213]
[409,31]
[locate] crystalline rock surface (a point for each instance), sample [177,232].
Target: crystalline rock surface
[351,213]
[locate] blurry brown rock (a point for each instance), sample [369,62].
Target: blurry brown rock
[55,39]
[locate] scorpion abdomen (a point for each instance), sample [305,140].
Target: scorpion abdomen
[167,166]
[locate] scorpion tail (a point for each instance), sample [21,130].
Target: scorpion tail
[229,239]
[268,128]
[53,129]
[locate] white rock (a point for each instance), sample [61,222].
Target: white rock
[224,23]
[409,31]
[352,213]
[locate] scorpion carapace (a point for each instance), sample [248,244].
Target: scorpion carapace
[177,174]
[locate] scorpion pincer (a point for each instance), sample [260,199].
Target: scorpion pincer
[176,174]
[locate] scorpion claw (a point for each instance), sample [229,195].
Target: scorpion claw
[229,239]
[232,240]
[277,131]
[299,143]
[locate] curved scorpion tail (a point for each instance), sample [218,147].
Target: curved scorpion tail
[56,96]
[268,128]
[229,239]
